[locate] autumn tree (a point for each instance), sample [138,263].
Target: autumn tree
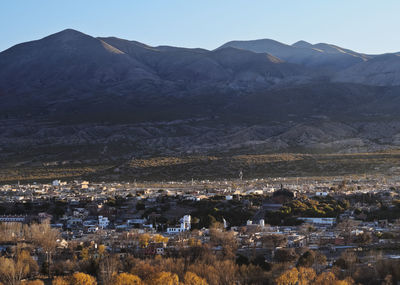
[273,240]
[328,278]
[45,237]
[325,278]
[192,279]
[159,238]
[165,278]
[60,281]
[144,270]
[80,278]
[306,275]
[33,282]
[13,270]
[225,239]
[144,240]
[127,279]
[109,266]
[289,277]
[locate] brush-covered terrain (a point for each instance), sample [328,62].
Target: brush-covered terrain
[71,101]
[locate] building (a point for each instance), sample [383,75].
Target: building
[320,221]
[13,219]
[184,226]
[103,222]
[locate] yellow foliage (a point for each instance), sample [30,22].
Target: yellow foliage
[85,253]
[33,282]
[193,279]
[144,240]
[306,275]
[165,278]
[289,277]
[127,279]
[60,281]
[326,278]
[102,249]
[159,238]
[194,242]
[80,278]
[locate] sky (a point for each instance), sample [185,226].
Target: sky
[369,26]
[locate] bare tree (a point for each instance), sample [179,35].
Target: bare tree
[45,237]
[109,266]
[13,270]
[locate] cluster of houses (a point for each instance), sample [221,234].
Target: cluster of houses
[117,209]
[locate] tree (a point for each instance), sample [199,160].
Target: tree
[193,242]
[80,278]
[108,268]
[85,254]
[12,271]
[102,249]
[192,279]
[289,277]
[60,281]
[273,241]
[307,259]
[144,270]
[44,236]
[319,261]
[325,278]
[159,238]
[127,279]
[33,282]
[165,278]
[285,255]
[226,239]
[144,240]
[300,276]
[306,275]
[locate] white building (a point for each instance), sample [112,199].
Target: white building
[103,222]
[184,226]
[319,221]
[12,219]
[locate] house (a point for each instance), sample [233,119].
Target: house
[103,222]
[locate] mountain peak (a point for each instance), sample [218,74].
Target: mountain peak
[302,44]
[68,34]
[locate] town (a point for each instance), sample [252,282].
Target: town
[260,231]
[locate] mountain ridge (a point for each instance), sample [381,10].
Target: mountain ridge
[70,92]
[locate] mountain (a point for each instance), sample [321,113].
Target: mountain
[74,97]
[382,70]
[321,55]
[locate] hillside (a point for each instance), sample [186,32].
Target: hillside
[72,97]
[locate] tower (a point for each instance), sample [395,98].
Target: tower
[185,223]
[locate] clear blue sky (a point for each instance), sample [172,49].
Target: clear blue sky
[370,26]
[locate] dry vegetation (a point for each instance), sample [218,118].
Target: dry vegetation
[217,167]
[267,165]
[46,173]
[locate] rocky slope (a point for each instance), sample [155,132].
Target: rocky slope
[71,96]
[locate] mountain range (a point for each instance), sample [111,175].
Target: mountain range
[71,96]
